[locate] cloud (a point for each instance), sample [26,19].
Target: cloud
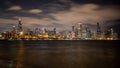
[6,24]
[87,7]
[87,13]
[35,11]
[15,8]
[61,14]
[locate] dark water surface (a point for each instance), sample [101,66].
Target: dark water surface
[59,54]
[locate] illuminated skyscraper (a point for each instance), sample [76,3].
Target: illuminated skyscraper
[98,28]
[19,25]
[98,32]
[14,30]
[112,31]
[54,31]
[80,26]
[73,28]
[36,31]
[80,30]
[113,35]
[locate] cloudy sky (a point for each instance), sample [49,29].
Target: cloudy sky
[61,14]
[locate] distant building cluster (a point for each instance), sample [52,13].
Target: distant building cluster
[85,33]
[78,32]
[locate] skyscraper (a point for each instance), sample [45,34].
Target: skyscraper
[112,31]
[80,30]
[19,25]
[73,28]
[54,31]
[98,31]
[14,30]
[98,28]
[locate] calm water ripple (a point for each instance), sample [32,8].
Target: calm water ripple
[59,54]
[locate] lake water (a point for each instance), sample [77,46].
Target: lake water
[59,54]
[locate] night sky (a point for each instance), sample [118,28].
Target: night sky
[61,14]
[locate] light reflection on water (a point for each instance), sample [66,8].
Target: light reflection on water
[22,54]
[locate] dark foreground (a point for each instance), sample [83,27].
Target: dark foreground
[59,54]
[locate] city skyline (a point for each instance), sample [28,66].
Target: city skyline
[78,32]
[61,14]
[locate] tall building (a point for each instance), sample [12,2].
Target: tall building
[72,35]
[112,31]
[98,28]
[13,30]
[36,31]
[54,30]
[19,25]
[73,28]
[76,32]
[88,33]
[80,26]
[113,35]
[80,30]
[98,31]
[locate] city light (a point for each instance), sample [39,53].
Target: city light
[21,33]
[78,32]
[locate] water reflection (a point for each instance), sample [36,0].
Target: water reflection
[20,55]
[59,54]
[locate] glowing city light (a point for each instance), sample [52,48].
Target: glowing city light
[78,32]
